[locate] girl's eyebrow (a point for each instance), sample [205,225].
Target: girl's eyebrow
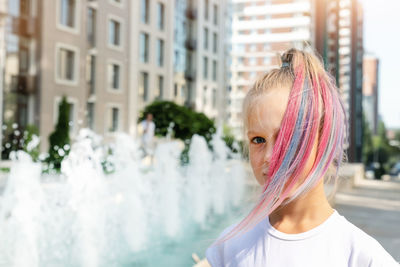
[276,130]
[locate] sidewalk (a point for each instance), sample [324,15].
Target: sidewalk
[374,206]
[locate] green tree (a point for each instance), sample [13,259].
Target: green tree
[59,140]
[383,152]
[368,148]
[186,121]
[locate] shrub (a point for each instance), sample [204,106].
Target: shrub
[186,121]
[59,139]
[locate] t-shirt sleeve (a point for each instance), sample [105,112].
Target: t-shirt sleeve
[215,253]
[383,259]
[214,256]
[373,254]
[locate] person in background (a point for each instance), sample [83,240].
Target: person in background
[148,127]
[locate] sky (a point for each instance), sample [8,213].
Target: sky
[382,39]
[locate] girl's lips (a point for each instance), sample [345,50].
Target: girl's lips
[266,178]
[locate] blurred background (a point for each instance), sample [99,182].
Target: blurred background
[78,78]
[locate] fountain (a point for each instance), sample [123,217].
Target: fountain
[137,215]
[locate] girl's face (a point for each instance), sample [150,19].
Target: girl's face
[264,122]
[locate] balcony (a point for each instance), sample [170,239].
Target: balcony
[190,44]
[191,13]
[190,75]
[25,26]
[23,84]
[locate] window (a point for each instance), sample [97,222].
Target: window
[90,115]
[214,98]
[183,90]
[215,42]
[214,75]
[144,47]
[114,72]
[91,73]
[252,47]
[23,59]
[25,7]
[160,16]
[239,48]
[215,13]
[205,67]
[160,52]
[117,2]
[159,93]
[176,58]
[114,34]
[144,12]
[68,13]
[91,27]
[205,96]
[267,60]
[252,61]
[144,85]
[114,119]
[205,38]
[66,65]
[175,90]
[206,9]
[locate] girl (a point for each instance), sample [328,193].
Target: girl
[296,126]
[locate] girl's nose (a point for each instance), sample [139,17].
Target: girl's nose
[268,153]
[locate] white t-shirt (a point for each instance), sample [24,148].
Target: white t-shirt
[148,131]
[334,243]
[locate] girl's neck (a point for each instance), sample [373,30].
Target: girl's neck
[304,213]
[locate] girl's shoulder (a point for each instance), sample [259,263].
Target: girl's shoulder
[364,248]
[217,253]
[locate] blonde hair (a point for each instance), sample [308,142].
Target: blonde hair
[314,113]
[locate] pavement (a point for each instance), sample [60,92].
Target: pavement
[374,206]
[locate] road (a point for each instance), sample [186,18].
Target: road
[374,206]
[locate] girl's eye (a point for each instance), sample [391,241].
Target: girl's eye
[258,140]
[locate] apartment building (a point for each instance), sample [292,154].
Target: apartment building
[201,45]
[111,58]
[350,71]
[262,30]
[371,91]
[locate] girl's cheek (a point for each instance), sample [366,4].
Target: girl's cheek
[253,158]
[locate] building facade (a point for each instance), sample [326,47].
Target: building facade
[339,39]
[262,30]
[110,58]
[201,49]
[350,72]
[371,91]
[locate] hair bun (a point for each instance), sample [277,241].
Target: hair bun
[287,58]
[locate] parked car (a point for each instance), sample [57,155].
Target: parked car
[395,171]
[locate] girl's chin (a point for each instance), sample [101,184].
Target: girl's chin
[264,180]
